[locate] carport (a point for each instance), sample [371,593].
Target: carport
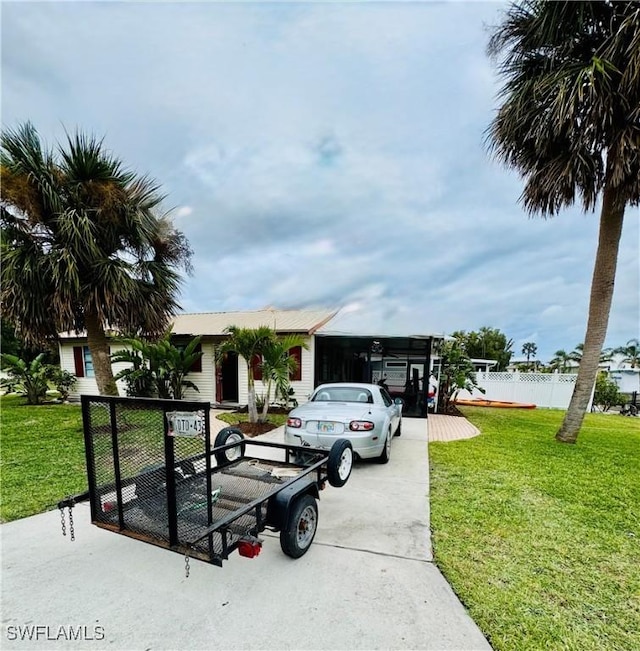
[402,364]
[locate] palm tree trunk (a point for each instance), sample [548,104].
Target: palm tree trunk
[265,406]
[97,341]
[604,274]
[251,398]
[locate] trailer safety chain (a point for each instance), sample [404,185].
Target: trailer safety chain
[71,529]
[62,522]
[72,532]
[186,565]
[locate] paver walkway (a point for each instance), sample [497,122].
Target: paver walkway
[450,428]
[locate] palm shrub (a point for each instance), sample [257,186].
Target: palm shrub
[158,367]
[250,344]
[30,379]
[277,367]
[137,377]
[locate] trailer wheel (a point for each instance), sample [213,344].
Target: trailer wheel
[229,435]
[340,463]
[298,534]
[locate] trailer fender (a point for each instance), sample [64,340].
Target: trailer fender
[280,504]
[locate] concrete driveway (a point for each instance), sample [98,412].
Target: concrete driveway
[366,583]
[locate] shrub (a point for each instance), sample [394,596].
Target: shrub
[607,394]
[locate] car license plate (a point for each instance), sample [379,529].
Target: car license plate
[325,428]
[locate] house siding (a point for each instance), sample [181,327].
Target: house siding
[205,380]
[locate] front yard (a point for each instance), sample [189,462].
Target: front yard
[540,540]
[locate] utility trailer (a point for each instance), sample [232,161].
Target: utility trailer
[154,475]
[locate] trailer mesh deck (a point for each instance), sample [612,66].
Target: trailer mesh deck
[129,446]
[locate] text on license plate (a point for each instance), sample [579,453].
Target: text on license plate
[325,427]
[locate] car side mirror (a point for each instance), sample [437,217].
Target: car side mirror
[398,401]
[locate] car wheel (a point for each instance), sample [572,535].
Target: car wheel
[297,536]
[229,435]
[340,463]
[386,450]
[399,430]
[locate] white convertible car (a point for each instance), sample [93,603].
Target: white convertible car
[365,414]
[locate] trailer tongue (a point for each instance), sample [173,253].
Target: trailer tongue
[154,476]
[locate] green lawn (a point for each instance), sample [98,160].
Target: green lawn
[41,456]
[540,540]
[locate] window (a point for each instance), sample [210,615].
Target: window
[386,398]
[296,353]
[83,361]
[256,365]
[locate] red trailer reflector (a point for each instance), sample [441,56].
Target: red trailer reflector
[249,548]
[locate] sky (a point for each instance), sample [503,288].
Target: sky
[321,155]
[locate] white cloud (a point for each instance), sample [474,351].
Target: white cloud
[320,154]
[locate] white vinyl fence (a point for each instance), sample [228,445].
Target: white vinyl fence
[541,389]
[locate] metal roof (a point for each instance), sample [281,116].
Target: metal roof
[215,323]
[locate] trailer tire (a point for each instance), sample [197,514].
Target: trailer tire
[340,463]
[229,435]
[300,529]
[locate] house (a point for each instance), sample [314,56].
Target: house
[331,356]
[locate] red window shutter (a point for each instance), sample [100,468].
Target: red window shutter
[296,353]
[78,360]
[196,367]
[256,365]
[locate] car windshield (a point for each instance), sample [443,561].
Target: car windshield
[343,394]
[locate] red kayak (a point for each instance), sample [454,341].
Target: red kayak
[502,404]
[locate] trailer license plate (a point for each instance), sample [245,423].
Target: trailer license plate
[186,423]
[325,428]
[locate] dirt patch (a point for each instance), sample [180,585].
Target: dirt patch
[254,429]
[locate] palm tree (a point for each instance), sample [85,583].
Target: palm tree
[82,245]
[277,367]
[630,352]
[250,344]
[529,349]
[560,361]
[30,379]
[569,124]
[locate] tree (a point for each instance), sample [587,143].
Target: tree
[159,367]
[277,367]
[456,373]
[561,361]
[250,344]
[529,349]
[630,353]
[486,343]
[607,394]
[30,379]
[83,247]
[568,123]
